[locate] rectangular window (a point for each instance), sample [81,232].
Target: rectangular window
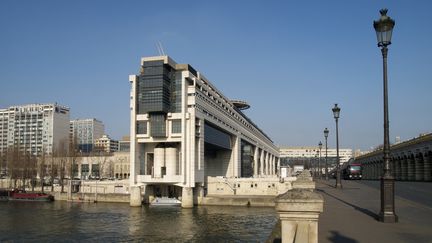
[176,126]
[141,127]
[157,125]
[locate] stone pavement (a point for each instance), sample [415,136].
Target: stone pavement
[350,216]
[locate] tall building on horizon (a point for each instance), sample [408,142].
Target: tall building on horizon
[34,128]
[84,133]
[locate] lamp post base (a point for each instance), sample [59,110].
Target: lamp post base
[387,212]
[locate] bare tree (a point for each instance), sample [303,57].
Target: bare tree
[42,170]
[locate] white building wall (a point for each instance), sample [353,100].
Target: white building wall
[44,126]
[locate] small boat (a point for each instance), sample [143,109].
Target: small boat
[21,195]
[165,201]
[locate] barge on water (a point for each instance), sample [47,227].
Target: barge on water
[22,195]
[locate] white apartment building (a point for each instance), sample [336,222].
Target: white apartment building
[313,152]
[85,132]
[34,128]
[184,130]
[106,144]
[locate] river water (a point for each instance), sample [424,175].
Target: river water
[116,222]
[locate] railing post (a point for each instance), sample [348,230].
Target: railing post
[299,210]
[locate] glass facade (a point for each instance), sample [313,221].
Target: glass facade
[157,125]
[246,159]
[176,126]
[176,93]
[141,127]
[154,87]
[216,137]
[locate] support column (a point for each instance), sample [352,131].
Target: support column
[267,163]
[419,167]
[256,158]
[187,197]
[135,196]
[428,167]
[411,168]
[262,163]
[397,172]
[404,168]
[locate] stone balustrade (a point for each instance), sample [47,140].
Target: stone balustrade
[298,211]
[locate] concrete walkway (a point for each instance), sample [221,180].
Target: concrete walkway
[350,216]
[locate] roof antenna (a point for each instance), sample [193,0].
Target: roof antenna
[160,48]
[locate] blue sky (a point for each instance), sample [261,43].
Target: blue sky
[291,60]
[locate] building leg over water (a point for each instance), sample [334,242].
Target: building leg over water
[184,130]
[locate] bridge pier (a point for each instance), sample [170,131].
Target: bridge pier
[428,167]
[397,171]
[411,168]
[419,167]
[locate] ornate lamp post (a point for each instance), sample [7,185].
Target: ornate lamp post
[326,133]
[384,27]
[319,160]
[336,113]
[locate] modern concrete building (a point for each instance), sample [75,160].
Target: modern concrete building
[34,128]
[184,130]
[124,144]
[106,144]
[313,152]
[85,132]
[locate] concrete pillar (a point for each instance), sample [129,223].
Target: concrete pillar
[135,196]
[187,197]
[171,161]
[419,167]
[198,194]
[411,168]
[397,171]
[428,167]
[299,211]
[404,168]
[267,171]
[256,158]
[262,163]
[159,162]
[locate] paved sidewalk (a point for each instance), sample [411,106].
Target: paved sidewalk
[350,216]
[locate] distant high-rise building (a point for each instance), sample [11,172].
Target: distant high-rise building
[106,144]
[84,133]
[34,128]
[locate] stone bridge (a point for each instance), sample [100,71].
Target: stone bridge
[410,160]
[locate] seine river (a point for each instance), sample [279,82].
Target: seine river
[111,222]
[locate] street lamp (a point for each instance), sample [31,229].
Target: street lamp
[319,160]
[326,133]
[336,112]
[384,27]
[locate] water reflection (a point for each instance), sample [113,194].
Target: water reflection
[49,222]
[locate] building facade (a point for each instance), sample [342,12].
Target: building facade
[314,152]
[184,130]
[106,144]
[124,144]
[84,133]
[34,128]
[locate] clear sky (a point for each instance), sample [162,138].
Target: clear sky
[291,60]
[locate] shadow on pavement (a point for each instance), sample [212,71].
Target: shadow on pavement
[363,210]
[338,238]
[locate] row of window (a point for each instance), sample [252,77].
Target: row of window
[141,127]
